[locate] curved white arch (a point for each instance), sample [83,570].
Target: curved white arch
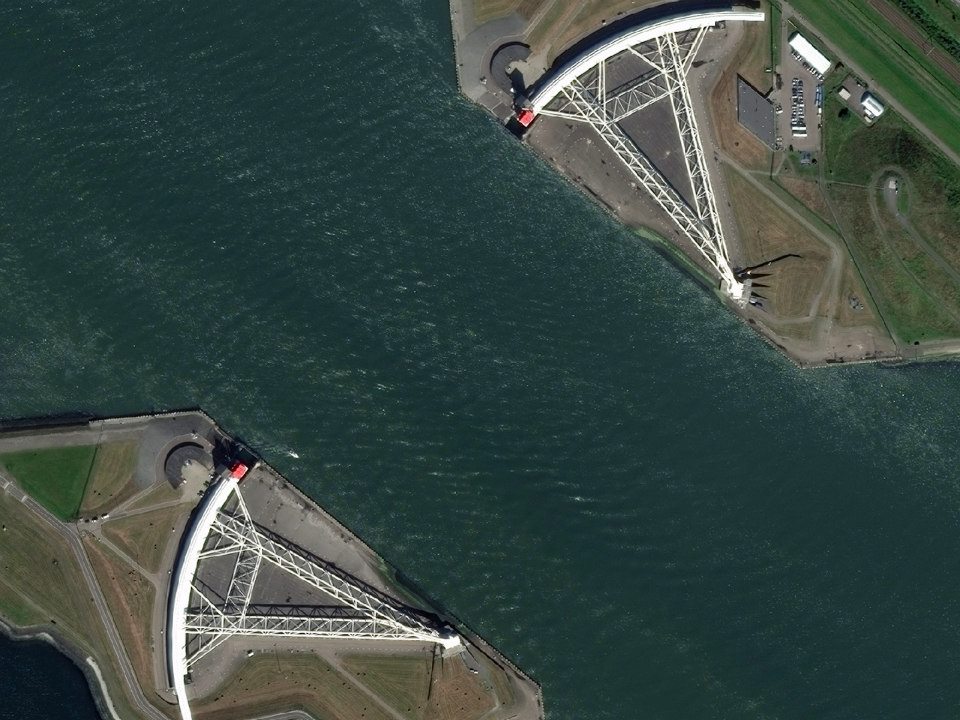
[182,583]
[620,42]
[213,533]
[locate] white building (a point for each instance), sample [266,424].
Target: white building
[872,108]
[809,54]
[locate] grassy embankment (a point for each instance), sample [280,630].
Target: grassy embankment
[111,479]
[891,60]
[41,585]
[423,687]
[417,687]
[131,598]
[912,284]
[143,537]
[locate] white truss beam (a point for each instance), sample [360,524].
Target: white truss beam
[201,620]
[639,165]
[668,49]
[636,96]
[297,626]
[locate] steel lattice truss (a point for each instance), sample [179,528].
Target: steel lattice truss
[358,613]
[586,98]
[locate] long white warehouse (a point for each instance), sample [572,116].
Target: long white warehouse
[816,59]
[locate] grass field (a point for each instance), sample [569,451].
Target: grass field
[807,191]
[111,479]
[890,59]
[912,312]
[917,297]
[16,608]
[54,477]
[159,493]
[767,232]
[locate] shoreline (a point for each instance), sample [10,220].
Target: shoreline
[478,43]
[389,574]
[42,634]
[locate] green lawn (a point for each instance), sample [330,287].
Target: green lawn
[918,299]
[885,54]
[55,477]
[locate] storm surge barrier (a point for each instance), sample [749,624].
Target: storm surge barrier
[200,618]
[578,91]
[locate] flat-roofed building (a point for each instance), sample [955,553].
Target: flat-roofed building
[755,112]
[843,93]
[809,54]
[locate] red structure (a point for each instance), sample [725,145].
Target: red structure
[525,117]
[238,470]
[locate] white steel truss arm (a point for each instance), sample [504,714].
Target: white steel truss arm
[294,626]
[635,96]
[644,171]
[693,153]
[209,641]
[690,53]
[325,579]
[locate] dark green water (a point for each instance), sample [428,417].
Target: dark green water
[285,213]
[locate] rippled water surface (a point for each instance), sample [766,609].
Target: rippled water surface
[285,213]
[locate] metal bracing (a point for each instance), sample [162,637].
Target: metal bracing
[667,59]
[645,172]
[303,626]
[328,580]
[356,611]
[635,96]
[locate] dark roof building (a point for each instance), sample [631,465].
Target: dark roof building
[756,113]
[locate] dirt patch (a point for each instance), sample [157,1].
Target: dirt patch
[144,537]
[807,192]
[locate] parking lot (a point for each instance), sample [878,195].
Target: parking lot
[798,125]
